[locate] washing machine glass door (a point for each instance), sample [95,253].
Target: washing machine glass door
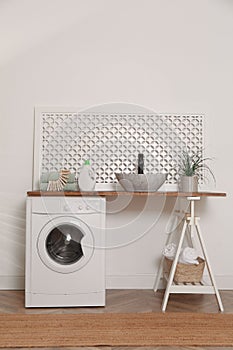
[65,244]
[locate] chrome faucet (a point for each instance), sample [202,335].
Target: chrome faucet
[140,163]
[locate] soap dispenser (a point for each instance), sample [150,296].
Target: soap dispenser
[86,180]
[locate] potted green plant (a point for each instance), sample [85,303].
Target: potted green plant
[192,167]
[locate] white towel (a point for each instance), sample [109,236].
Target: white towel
[188,256]
[170,250]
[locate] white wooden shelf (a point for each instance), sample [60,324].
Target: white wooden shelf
[190,227]
[190,287]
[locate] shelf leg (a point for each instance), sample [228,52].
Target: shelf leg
[209,267]
[173,268]
[159,274]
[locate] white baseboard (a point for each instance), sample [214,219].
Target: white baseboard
[139,281]
[12,282]
[142,281]
[146,281]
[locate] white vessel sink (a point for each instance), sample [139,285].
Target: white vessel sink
[141,182]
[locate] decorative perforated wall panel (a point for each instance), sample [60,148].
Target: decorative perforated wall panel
[112,142]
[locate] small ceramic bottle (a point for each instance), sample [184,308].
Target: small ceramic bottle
[86,180]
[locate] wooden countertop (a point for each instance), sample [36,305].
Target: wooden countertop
[124,193]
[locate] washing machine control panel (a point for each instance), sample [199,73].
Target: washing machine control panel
[81,205]
[64,205]
[75,208]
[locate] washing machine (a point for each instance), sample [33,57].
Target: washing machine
[65,251]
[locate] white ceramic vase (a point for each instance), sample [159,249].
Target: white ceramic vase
[188,183]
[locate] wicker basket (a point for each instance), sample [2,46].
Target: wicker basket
[187,272]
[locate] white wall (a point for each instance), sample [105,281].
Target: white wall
[170,56]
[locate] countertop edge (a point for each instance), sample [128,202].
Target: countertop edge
[124,193]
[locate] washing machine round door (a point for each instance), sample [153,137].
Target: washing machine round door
[65,244]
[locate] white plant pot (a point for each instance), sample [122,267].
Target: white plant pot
[188,183]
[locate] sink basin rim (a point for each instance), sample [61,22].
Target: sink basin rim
[150,182]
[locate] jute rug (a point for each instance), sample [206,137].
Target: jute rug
[132,329]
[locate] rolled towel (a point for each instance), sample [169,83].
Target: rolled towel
[170,251]
[71,187]
[188,256]
[54,176]
[67,187]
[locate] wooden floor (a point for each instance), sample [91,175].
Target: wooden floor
[127,301]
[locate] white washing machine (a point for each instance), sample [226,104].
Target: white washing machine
[65,255]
